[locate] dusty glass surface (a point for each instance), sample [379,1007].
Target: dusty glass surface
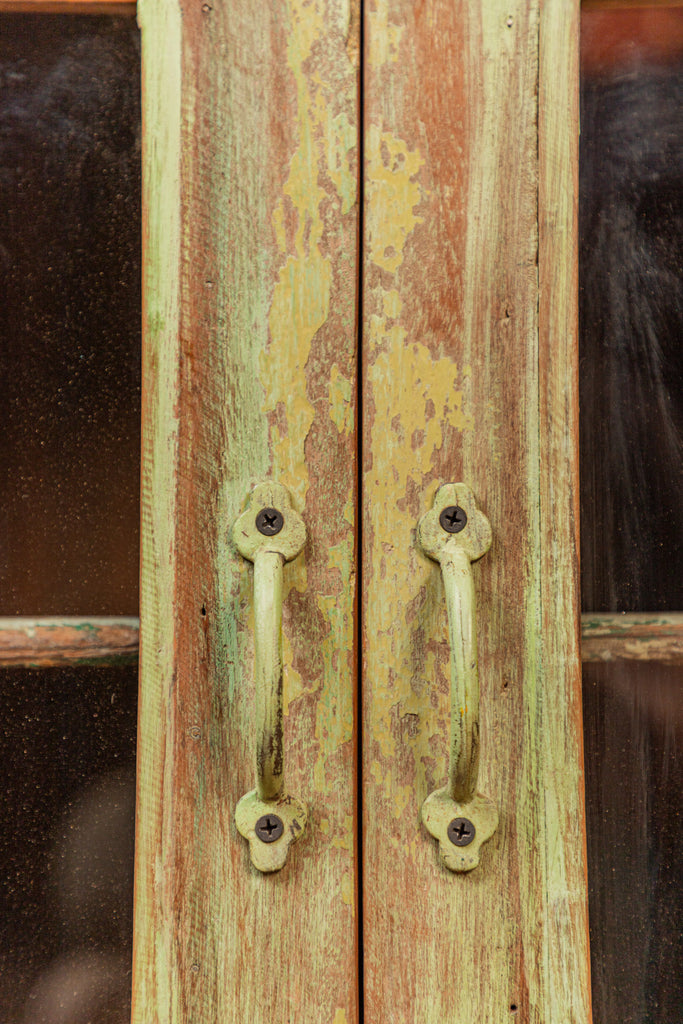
[67,801]
[631,391]
[70,315]
[631,310]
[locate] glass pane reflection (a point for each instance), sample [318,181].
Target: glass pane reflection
[631,309]
[67,746]
[633,733]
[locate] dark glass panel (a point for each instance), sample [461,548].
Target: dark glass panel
[67,747]
[633,732]
[70,315]
[631,277]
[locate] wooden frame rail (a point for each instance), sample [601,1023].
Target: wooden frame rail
[632,637]
[128,7]
[120,7]
[44,642]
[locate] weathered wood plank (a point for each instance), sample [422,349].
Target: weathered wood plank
[40,643]
[555,738]
[462,308]
[250,161]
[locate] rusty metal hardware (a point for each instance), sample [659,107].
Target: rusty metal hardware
[268,817]
[455,533]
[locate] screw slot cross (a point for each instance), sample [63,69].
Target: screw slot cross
[269,521]
[453,519]
[269,828]
[461,832]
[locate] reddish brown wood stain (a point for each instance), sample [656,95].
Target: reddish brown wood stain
[265,389]
[472,333]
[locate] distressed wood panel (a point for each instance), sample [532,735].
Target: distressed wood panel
[250,168]
[469,370]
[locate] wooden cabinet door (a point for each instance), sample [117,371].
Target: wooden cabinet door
[454,236]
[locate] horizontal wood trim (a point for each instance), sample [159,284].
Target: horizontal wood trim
[43,643]
[120,7]
[40,643]
[632,637]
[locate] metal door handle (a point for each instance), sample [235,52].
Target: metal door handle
[269,534]
[456,533]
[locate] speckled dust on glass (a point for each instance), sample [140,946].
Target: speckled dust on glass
[69,482]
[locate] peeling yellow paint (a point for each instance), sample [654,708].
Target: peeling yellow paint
[347,892]
[343,141]
[340,1017]
[346,839]
[392,195]
[416,395]
[299,308]
[301,298]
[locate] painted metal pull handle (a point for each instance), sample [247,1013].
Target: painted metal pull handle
[269,534]
[455,533]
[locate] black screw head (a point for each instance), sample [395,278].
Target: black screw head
[453,519]
[461,831]
[269,828]
[269,522]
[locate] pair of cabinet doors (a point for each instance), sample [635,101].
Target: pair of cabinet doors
[360,284]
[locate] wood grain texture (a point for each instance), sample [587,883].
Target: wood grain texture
[250,179]
[469,365]
[42,643]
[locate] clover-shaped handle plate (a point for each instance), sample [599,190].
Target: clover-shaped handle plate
[455,533]
[460,828]
[270,827]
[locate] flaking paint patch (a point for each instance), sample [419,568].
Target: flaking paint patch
[347,892]
[340,1017]
[300,306]
[301,298]
[417,396]
[392,194]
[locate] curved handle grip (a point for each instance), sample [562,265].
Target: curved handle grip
[455,533]
[269,534]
